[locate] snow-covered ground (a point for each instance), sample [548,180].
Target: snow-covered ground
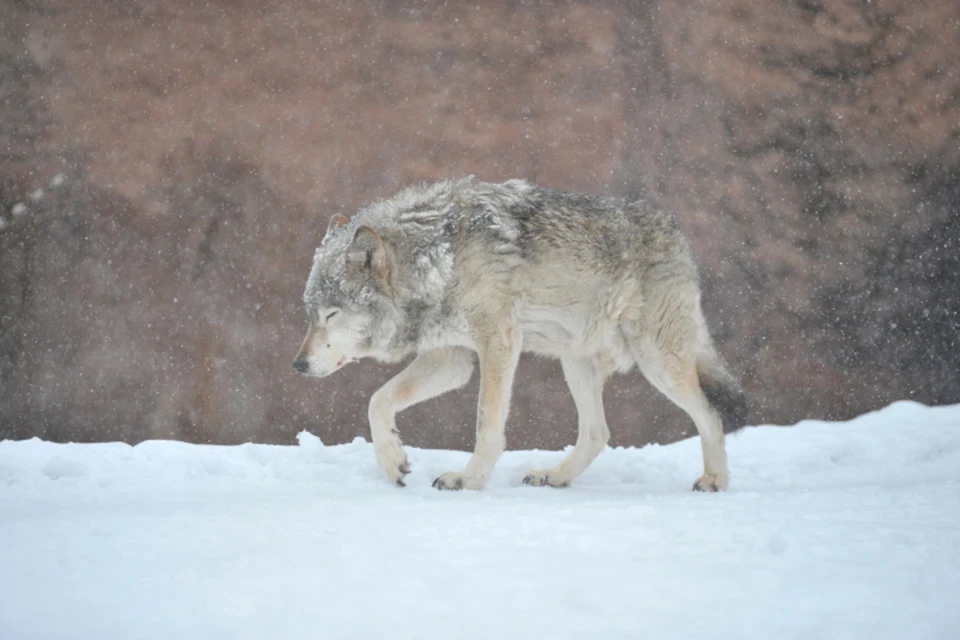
[844,530]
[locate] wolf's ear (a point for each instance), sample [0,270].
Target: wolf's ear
[367,255]
[336,222]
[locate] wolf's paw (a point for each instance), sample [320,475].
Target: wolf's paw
[711,483]
[393,461]
[455,481]
[547,477]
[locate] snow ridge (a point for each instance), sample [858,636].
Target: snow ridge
[846,530]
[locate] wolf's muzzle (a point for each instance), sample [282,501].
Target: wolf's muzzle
[301,365]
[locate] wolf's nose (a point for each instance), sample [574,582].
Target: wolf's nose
[301,365]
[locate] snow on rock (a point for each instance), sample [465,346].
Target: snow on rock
[830,530]
[307,440]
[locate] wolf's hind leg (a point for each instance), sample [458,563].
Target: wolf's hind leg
[585,380]
[675,375]
[430,374]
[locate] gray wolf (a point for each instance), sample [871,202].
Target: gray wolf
[463,271]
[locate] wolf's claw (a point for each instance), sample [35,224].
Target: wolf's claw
[545,478]
[455,481]
[453,484]
[393,461]
[710,483]
[404,469]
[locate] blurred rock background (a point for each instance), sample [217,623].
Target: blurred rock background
[168,166]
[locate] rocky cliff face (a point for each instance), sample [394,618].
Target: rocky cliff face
[168,168]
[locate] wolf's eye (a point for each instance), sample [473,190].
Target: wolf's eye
[331,314]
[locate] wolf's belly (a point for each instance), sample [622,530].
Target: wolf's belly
[556,332]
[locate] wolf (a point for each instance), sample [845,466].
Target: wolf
[464,271]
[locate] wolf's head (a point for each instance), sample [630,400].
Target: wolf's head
[349,306]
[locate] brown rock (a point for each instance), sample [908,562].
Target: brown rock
[810,149]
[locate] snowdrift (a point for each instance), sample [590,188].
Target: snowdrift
[830,530]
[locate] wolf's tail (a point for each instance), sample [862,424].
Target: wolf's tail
[723,391]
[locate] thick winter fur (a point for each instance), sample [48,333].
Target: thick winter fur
[464,271]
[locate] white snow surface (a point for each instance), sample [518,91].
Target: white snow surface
[830,530]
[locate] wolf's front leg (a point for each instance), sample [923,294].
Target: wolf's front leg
[585,377]
[430,374]
[499,349]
